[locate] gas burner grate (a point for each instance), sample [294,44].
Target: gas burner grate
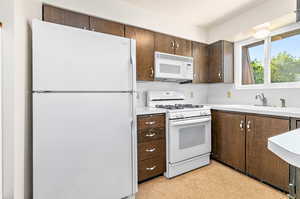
[179,106]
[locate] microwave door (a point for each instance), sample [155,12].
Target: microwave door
[169,69]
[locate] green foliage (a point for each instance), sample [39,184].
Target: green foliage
[258,71]
[284,68]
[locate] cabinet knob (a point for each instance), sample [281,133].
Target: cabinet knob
[249,125]
[150,150]
[220,75]
[151,168]
[177,44]
[152,72]
[242,125]
[172,44]
[150,123]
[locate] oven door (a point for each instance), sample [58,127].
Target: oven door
[189,138]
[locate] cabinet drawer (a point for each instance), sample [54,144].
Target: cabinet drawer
[151,121]
[151,134]
[151,168]
[151,149]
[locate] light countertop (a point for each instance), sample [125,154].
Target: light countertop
[264,110]
[147,111]
[287,147]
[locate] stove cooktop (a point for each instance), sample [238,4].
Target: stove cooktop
[179,106]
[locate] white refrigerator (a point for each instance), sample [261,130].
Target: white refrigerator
[84,122]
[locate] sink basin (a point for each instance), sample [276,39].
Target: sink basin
[286,146]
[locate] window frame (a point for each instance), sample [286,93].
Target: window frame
[267,61]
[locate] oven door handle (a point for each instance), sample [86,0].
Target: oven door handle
[189,122]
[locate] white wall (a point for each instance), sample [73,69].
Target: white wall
[25,11]
[195,93]
[217,94]
[8,46]
[240,26]
[124,12]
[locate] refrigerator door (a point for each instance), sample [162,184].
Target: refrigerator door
[83,145]
[72,59]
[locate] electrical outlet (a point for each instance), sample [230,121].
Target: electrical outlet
[192,94]
[229,94]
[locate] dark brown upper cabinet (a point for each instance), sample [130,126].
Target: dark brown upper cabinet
[144,52]
[164,43]
[105,26]
[200,54]
[221,62]
[172,45]
[65,17]
[183,47]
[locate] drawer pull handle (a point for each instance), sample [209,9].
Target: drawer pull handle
[151,168]
[150,123]
[151,150]
[150,134]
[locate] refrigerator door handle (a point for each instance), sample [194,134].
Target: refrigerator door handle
[133,62]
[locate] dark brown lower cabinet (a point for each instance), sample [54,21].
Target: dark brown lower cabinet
[240,141]
[151,146]
[229,139]
[260,162]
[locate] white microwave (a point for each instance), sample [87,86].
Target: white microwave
[173,67]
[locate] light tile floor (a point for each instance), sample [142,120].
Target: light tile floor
[215,181]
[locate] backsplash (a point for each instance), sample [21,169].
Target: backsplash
[217,94]
[195,93]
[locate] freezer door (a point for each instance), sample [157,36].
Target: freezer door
[72,59]
[82,146]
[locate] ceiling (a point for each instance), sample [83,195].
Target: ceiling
[201,13]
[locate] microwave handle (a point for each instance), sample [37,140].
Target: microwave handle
[189,122]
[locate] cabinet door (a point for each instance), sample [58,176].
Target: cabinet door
[215,62]
[105,26]
[144,52]
[229,138]
[164,43]
[262,163]
[200,54]
[183,47]
[295,123]
[65,17]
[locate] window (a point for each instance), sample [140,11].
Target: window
[270,63]
[253,63]
[285,57]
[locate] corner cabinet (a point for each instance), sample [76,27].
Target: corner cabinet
[240,141]
[172,45]
[144,52]
[221,62]
[200,55]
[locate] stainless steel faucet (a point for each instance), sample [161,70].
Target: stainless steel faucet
[283,104]
[262,98]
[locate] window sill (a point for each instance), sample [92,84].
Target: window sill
[268,86]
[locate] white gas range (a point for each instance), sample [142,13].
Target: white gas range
[188,131]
